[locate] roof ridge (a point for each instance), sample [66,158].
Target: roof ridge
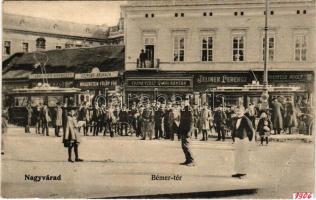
[55,20]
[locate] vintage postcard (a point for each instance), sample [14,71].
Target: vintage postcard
[158,99]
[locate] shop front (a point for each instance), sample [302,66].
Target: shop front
[206,84]
[242,88]
[100,87]
[162,89]
[304,80]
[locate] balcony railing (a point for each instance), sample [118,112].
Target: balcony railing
[148,65]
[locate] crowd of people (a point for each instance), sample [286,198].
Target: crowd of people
[172,120]
[155,120]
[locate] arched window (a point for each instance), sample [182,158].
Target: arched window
[40,43]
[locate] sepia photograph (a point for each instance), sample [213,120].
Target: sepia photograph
[158,99]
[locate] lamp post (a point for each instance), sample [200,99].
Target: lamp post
[265,95]
[265,75]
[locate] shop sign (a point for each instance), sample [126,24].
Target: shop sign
[220,79]
[99,75]
[52,76]
[290,77]
[160,83]
[106,83]
[61,84]
[287,77]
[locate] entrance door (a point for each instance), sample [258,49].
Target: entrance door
[150,54]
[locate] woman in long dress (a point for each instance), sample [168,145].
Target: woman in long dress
[71,138]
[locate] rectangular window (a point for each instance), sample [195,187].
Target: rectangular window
[58,47]
[69,45]
[7,47]
[25,47]
[300,48]
[178,48]
[238,48]
[40,43]
[207,48]
[271,47]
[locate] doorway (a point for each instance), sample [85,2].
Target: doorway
[150,55]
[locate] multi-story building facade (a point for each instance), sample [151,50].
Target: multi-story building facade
[201,47]
[27,34]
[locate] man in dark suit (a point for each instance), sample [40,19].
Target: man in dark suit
[45,119]
[28,120]
[185,128]
[133,118]
[277,116]
[38,118]
[147,120]
[123,118]
[109,119]
[167,123]
[96,116]
[142,59]
[220,122]
[243,133]
[158,115]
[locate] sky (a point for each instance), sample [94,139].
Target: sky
[86,12]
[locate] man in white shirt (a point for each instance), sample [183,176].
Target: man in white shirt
[243,133]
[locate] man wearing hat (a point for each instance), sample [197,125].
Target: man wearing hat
[123,117]
[220,123]
[96,116]
[277,117]
[139,131]
[167,122]
[185,128]
[175,120]
[158,121]
[147,119]
[133,116]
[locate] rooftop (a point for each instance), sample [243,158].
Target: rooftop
[80,60]
[41,25]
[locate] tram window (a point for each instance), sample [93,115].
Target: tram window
[81,99]
[20,101]
[87,98]
[35,101]
[69,101]
[53,100]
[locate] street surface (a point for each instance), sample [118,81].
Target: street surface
[124,166]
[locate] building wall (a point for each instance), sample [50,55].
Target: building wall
[17,38]
[285,23]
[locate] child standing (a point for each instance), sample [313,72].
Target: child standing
[264,127]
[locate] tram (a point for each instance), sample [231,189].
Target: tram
[17,100]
